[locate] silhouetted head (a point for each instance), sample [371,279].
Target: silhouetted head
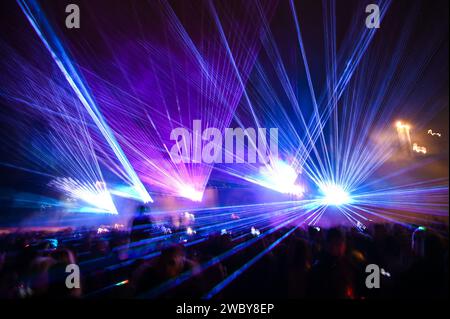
[64,256]
[336,242]
[142,209]
[173,258]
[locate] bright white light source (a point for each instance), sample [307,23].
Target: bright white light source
[419,149]
[191,193]
[402,126]
[430,131]
[102,230]
[334,195]
[254,231]
[97,194]
[281,177]
[190,231]
[385,273]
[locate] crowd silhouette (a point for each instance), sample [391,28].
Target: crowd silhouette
[309,263]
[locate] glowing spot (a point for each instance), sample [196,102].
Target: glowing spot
[189,217]
[419,149]
[334,195]
[191,193]
[430,131]
[385,273]
[102,230]
[96,195]
[121,283]
[361,226]
[166,230]
[282,178]
[402,126]
[190,231]
[254,231]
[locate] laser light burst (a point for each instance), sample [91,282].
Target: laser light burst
[96,195]
[281,177]
[191,193]
[334,195]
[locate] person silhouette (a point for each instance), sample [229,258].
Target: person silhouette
[141,225]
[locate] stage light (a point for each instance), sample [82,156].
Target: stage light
[402,126]
[334,195]
[282,178]
[96,195]
[191,193]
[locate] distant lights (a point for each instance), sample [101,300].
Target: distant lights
[361,227]
[190,231]
[430,132]
[102,230]
[419,149]
[166,230]
[254,231]
[402,126]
